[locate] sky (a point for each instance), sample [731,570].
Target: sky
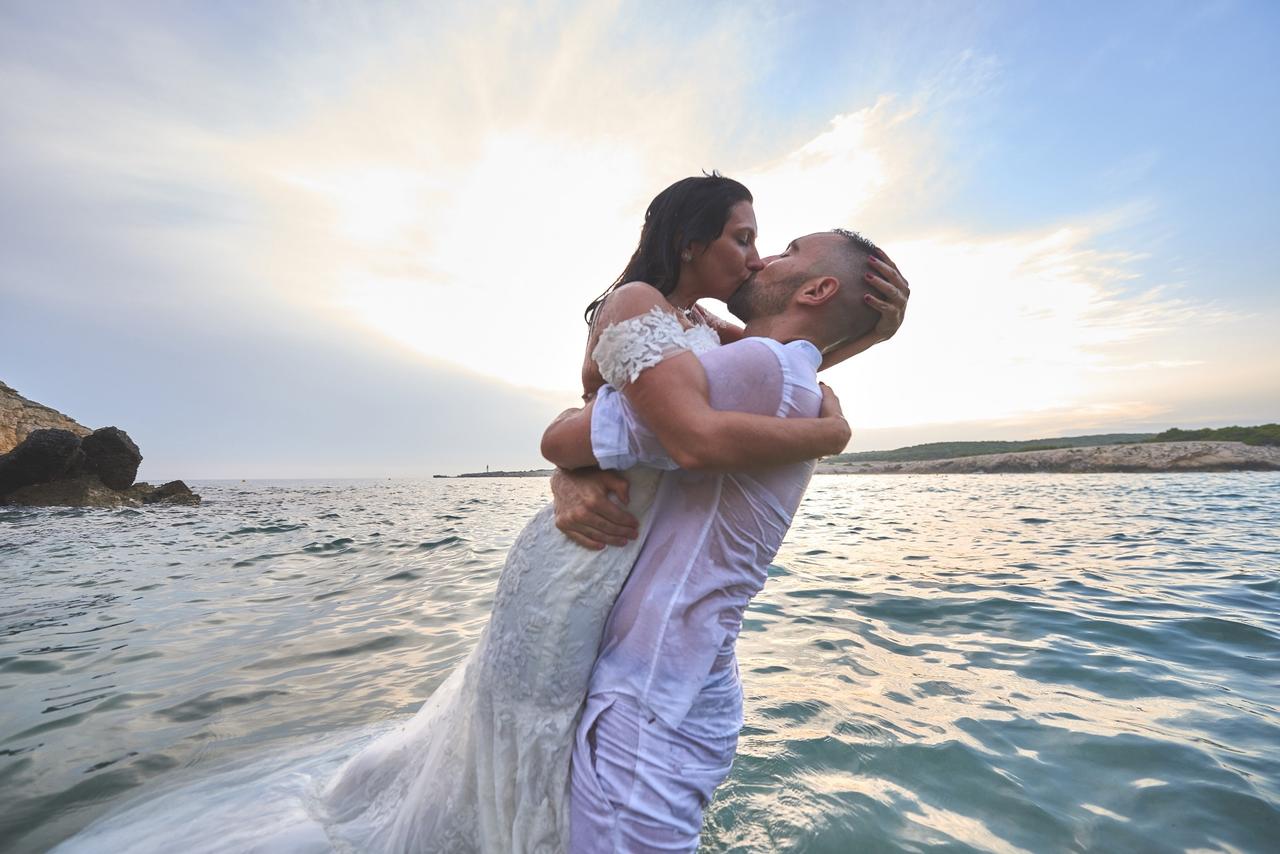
[355,239]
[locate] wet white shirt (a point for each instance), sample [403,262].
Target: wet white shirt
[711,536]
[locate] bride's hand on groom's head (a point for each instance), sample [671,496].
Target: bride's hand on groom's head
[889,281]
[586,511]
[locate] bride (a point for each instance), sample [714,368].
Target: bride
[484,764]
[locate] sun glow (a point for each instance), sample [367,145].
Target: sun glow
[501,257]
[485,262]
[476,241]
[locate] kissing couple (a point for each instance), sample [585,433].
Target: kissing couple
[600,708]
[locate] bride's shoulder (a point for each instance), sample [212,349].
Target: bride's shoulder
[636,329]
[634,299]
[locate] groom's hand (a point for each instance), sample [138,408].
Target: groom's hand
[586,511]
[830,407]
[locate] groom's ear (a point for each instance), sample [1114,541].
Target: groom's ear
[819,290]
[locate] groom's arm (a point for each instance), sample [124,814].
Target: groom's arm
[590,507]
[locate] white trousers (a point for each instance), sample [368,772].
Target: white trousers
[637,784]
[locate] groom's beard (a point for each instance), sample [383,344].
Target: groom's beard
[740,304]
[754,300]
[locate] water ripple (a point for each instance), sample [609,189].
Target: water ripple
[953,663]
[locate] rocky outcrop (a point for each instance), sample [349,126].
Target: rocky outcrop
[44,455]
[84,491]
[57,462]
[112,456]
[1145,457]
[90,491]
[173,492]
[19,417]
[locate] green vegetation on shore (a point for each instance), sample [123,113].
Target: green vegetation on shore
[1264,434]
[951,450]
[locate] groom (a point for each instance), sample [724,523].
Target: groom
[664,705]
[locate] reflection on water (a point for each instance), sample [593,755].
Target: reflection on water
[993,663]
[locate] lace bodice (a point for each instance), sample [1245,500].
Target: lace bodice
[629,346]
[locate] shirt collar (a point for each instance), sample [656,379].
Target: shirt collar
[812,353]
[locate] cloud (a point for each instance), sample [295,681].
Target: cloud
[264,244]
[256,399]
[1020,326]
[1035,328]
[436,194]
[832,178]
[466,202]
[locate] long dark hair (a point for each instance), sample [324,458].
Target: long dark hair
[692,210]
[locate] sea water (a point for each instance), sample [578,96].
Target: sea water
[944,663]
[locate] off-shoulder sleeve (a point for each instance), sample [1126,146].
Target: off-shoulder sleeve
[628,347]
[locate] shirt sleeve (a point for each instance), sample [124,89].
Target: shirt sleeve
[749,375]
[746,376]
[618,439]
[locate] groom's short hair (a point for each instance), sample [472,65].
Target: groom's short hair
[849,265]
[855,250]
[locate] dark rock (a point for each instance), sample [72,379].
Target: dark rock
[113,456]
[173,492]
[43,455]
[87,491]
[141,491]
[90,491]
[60,462]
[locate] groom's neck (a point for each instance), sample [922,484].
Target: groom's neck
[781,327]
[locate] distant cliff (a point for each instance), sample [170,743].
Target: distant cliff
[19,416]
[1145,457]
[50,460]
[526,473]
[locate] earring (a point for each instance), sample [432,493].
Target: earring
[686,256]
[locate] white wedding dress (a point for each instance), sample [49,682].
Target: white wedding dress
[484,765]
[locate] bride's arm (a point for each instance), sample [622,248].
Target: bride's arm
[672,398]
[710,437]
[886,278]
[567,442]
[589,503]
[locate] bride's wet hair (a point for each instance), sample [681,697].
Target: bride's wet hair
[692,210]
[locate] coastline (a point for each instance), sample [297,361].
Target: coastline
[527,473]
[1146,457]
